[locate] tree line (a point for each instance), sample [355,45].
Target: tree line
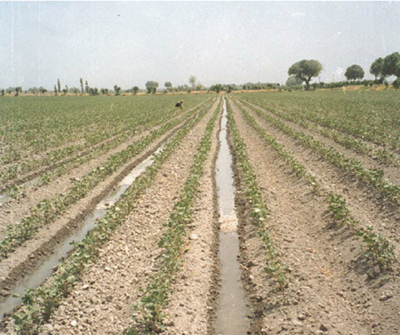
[305,70]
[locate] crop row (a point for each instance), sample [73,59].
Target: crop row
[379,249]
[64,154]
[155,299]
[47,210]
[31,126]
[373,177]
[371,116]
[16,191]
[258,207]
[348,142]
[40,303]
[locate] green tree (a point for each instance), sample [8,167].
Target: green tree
[81,85]
[397,70]
[151,85]
[216,88]
[376,68]
[86,87]
[354,72]
[192,81]
[168,85]
[389,64]
[18,90]
[305,70]
[2,92]
[59,85]
[396,84]
[117,89]
[135,89]
[55,89]
[293,81]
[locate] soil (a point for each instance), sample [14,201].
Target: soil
[364,202]
[329,289]
[191,304]
[102,301]
[25,258]
[13,211]
[392,173]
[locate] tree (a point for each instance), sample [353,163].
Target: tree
[396,84]
[59,85]
[66,90]
[397,70]
[216,88]
[18,90]
[168,85]
[86,87]
[154,90]
[354,72]
[192,81]
[81,85]
[135,89]
[2,92]
[305,70]
[293,81]
[55,89]
[390,63]
[117,89]
[151,85]
[199,87]
[376,68]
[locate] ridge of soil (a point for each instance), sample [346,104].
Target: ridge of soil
[392,173]
[192,303]
[13,211]
[102,301]
[27,256]
[329,289]
[363,202]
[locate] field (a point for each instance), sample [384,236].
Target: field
[126,215]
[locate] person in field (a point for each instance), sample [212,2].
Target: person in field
[179,104]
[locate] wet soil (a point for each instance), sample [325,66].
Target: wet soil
[329,291]
[392,173]
[368,207]
[102,302]
[25,259]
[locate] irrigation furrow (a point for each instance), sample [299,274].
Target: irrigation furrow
[26,258]
[47,210]
[331,288]
[10,214]
[83,155]
[334,195]
[365,202]
[371,159]
[150,315]
[63,281]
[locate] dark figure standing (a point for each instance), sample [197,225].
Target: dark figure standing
[179,104]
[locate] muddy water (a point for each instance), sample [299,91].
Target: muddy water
[231,318]
[44,270]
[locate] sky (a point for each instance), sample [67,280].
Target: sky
[130,43]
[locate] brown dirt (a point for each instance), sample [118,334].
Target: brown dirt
[364,203]
[13,211]
[391,172]
[329,291]
[194,295]
[25,258]
[102,302]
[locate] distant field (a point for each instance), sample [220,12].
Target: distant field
[287,202]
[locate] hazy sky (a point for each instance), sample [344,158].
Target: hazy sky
[129,43]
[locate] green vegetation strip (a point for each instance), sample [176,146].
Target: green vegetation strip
[258,207]
[49,209]
[373,177]
[356,145]
[40,303]
[379,249]
[155,298]
[17,192]
[55,157]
